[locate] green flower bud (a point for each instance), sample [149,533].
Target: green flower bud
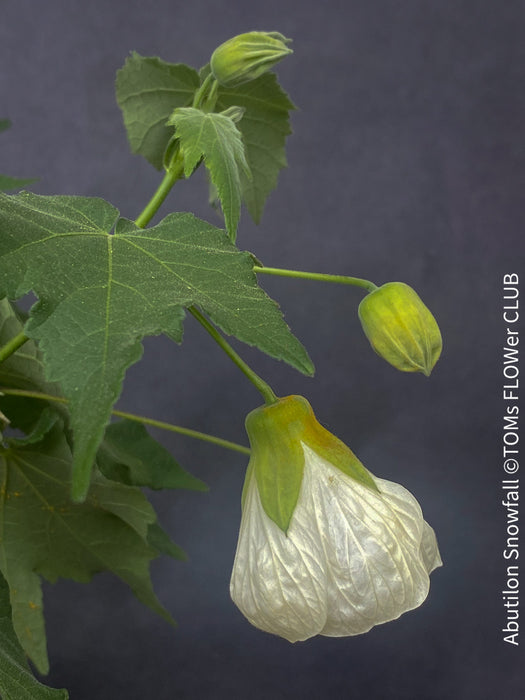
[400,328]
[234,113]
[247,56]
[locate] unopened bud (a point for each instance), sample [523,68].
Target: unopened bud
[234,113]
[247,56]
[400,328]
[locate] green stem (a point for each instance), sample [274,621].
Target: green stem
[12,346]
[257,381]
[139,419]
[201,92]
[162,191]
[319,276]
[184,431]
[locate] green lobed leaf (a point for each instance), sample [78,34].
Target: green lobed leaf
[216,139]
[148,90]
[16,680]
[161,541]
[45,534]
[131,456]
[264,127]
[100,294]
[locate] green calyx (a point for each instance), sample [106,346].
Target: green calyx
[247,56]
[400,328]
[277,433]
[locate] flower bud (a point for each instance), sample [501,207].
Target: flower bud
[247,56]
[400,328]
[234,113]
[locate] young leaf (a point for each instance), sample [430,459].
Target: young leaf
[16,680]
[131,456]
[216,139]
[100,294]
[43,533]
[148,90]
[264,127]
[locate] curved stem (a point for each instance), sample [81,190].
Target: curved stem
[319,276]
[12,346]
[206,437]
[201,92]
[160,194]
[257,381]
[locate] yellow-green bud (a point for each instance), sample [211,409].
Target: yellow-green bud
[400,328]
[247,56]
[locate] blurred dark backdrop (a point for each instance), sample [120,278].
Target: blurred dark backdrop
[407,163]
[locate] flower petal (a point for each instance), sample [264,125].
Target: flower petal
[378,550]
[429,549]
[278,582]
[352,558]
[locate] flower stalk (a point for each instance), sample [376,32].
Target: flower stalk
[317,276]
[188,432]
[263,387]
[13,345]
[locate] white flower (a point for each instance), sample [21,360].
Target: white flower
[352,556]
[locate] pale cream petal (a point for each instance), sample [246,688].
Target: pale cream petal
[351,559]
[376,562]
[429,549]
[278,582]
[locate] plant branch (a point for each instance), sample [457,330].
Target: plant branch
[139,419]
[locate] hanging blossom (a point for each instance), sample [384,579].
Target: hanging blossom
[324,547]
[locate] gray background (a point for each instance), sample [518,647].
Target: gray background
[407,163]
